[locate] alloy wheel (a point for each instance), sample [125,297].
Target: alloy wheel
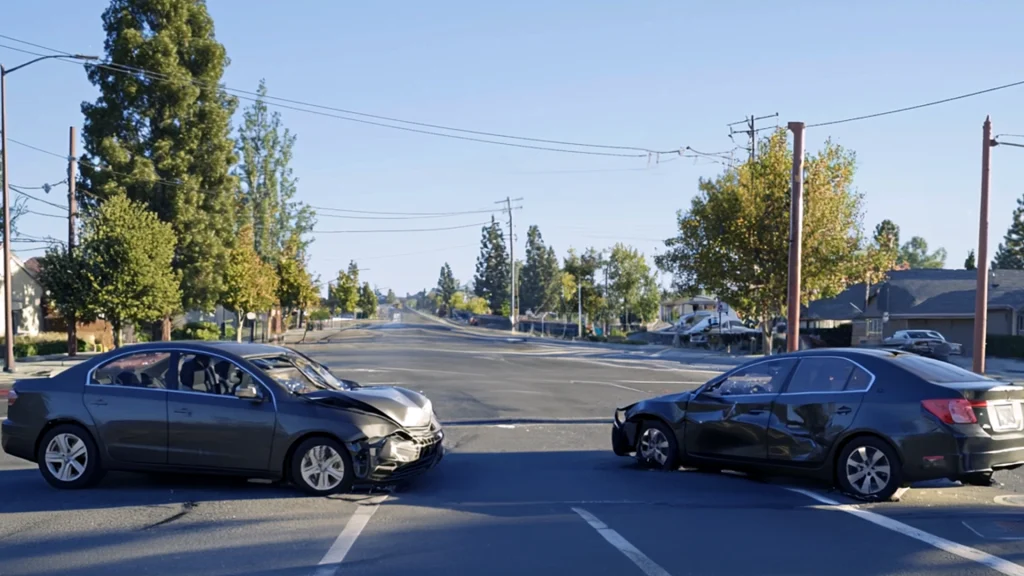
[322,468]
[66,457]
[868,470]
[654,446]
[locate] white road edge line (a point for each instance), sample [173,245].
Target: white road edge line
[331,561]
[648,566]
[966,552]
[604,384]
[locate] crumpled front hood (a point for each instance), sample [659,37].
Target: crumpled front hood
[408,408]
[674,397]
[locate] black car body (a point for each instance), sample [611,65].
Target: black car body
[226,408]
[819,412]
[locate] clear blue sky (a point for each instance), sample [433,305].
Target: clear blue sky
[653,74]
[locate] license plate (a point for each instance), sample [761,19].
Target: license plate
[1005,417]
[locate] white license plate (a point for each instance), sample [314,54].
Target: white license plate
[1005,416]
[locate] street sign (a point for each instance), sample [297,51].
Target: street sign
[250,316]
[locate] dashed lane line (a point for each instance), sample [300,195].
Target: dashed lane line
[642,561]
[332,560]
[996,563]
[612,384]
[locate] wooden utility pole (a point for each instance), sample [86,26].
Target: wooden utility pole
[512,256]
[70,317]
[981,291]
[796,224]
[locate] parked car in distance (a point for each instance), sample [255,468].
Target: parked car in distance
[867,420]
[730,327]
[925,342]
[251,410]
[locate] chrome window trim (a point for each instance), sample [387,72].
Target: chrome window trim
[180,351]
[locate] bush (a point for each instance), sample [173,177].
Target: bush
[45,344]
[197,331]
[1004,346]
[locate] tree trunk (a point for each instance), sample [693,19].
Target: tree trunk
[165,330]
[72,334]
[118,333]
[239,323]
[767,337]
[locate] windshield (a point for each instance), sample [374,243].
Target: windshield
[918,334]
[298,374]
[935,371]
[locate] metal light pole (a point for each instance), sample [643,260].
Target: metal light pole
[8,298]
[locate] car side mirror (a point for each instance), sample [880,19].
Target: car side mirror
[248,392]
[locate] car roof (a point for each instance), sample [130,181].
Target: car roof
[852,353]
[241,349]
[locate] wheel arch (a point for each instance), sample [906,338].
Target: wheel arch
[286,468]
[846,440]
[647,416]
[51,424]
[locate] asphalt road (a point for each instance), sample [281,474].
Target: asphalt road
[530,486]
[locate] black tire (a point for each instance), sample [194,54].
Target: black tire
[665,446]
[977,479]
[310,483]
[79,463]
[882,475]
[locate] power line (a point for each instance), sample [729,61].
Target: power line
[410,214]
[400,230]
[639,152]
[919,106]
[381,257]
[31,197]
[45,214]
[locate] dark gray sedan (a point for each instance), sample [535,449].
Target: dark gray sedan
[241,409]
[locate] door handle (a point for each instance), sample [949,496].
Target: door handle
[99,402]
[185,411]
[844,410]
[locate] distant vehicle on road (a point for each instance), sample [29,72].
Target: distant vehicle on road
[242,409]
[868,420]
[925,342]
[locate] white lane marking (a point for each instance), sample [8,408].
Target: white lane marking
[505,426]
[604,384]
[645,564]
[966,552]
[329,564]
[980,535]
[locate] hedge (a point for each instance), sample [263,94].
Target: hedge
[202,331]
[1004,346]
[44,344]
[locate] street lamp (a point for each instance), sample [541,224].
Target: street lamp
[8,299]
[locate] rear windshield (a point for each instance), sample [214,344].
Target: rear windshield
[935,371]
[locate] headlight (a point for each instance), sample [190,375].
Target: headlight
[399,449]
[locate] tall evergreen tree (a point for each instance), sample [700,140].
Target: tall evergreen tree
[540,275]
[368,301]
[492,280]
[353,271]
[164,139]
[969,263]
[446,289]
[1010,254]
[915,254]
[267,186]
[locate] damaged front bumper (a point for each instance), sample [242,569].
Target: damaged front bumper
[623,434]
[399,456]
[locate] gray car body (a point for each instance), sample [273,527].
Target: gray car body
[251,437]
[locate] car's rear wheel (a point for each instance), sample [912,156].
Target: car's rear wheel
[322,466]
[656,446]
[869,469]
[68,458]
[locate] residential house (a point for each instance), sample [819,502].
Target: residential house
[50,320]
[26,299]
[925,299]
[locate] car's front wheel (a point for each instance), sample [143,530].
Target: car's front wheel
[869,469]
[322,466]
[656,446]
[68,458]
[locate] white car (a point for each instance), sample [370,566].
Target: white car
[910,337]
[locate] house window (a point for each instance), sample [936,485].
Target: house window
[1020,323]
[874,326]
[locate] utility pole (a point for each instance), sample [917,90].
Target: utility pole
[579,315]
[8,315]
[796,224]
[512,257]
[981,291]
[71,317]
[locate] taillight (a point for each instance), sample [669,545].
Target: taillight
[951,411]
[11,397]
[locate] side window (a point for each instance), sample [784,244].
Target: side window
[761,378]
[821,375]
[142,370]
[210,374]
[859,380]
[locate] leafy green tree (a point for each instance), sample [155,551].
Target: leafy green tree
[631,283]
[447,288]
[887,235]
[914,254]
[267,186]
[64,278]
[1010,254]
[969,263]
[391,298]
[492,280]
[251,283]
[295,284]
[367,301]
[540,275]
[126,255]
[583,270]
[164,139]
[353,271]
[733,240]
[346,292]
